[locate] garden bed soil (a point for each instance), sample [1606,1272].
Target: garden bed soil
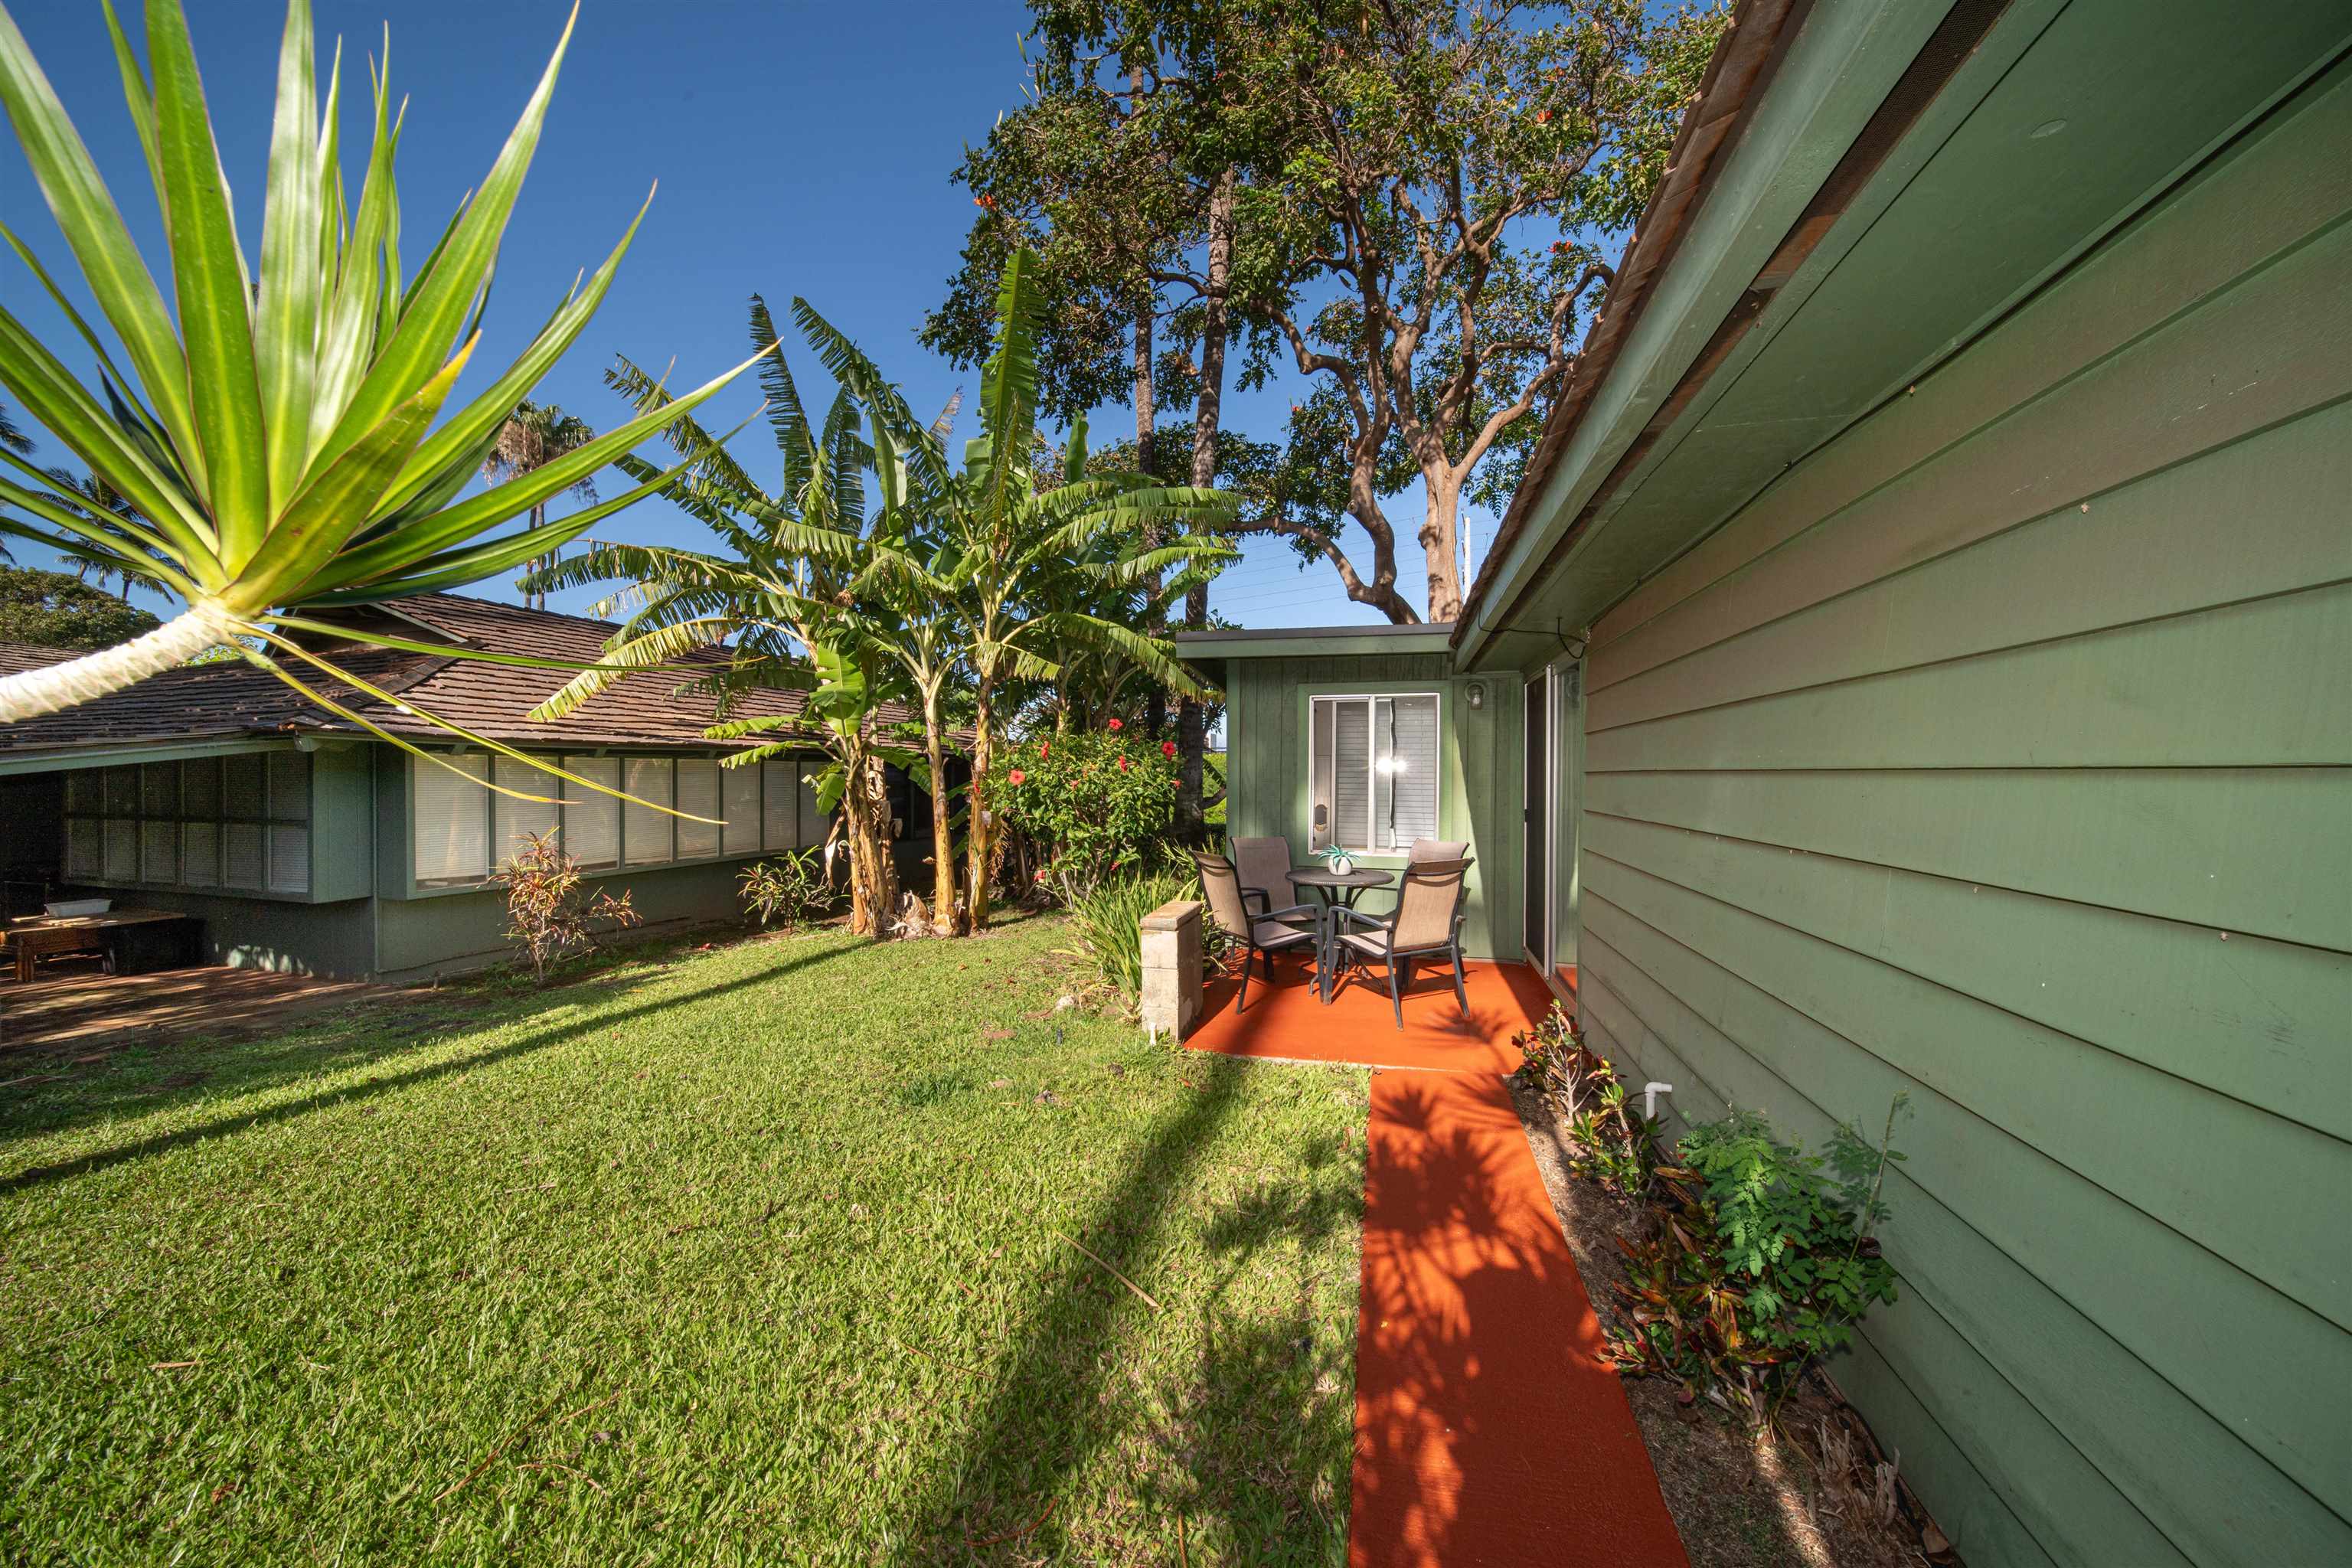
[1739,1500]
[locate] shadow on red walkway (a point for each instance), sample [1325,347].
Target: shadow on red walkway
[1486,1429]
[1286,1020]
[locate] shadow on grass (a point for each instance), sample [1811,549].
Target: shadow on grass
[1044,1418]
[39,1175]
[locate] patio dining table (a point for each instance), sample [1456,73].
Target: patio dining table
[1334,887]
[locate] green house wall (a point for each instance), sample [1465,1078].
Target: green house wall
[1478,796]
[1999,754]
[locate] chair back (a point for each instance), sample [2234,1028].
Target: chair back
[1428,901]
[1265,864]
[1437,849]
[1221,888]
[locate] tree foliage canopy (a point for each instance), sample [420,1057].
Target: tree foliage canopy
[55,609]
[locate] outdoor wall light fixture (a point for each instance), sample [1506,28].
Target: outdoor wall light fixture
[1477,695]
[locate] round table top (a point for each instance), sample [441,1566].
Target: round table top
[1316,877]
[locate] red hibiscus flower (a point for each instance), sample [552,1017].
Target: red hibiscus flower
[1122,765]
[1016,776]
[1167,748]
[1116,725]
[1045,750]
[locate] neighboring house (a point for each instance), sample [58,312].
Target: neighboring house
[306,843]
[1916,662]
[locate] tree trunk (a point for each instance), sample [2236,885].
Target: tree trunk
[1146,456]
[873,876]
[53,687]
[1191,738]
[945,919]
[1440,544]
[979,834]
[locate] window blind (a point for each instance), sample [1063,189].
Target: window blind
[450,812]
[645,832]
[592,821]
[741,789]
[518,820]
[1373,768]
[697,795]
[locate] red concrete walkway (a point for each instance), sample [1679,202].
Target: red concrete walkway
[1486,1430]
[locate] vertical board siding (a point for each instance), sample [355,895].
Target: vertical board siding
[1998,754]
[1266,767]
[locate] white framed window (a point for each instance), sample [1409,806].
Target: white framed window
[1373,768]
[519,820]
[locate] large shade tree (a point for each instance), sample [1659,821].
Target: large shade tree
[273,430]
[1402,202]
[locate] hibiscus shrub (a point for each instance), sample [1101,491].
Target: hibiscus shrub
[1091,807]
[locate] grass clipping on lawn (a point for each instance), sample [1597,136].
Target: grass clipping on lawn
[803,1248]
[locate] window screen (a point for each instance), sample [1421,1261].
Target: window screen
[205,822]
[450,812]
[1372,771]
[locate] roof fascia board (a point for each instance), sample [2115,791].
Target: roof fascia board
[1839,68]
[103,755]
[1312,648]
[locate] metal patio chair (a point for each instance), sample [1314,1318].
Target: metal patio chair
[1427,923]
[1263,934]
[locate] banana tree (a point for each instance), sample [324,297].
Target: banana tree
[780,597]
[273,433]
[1026,537]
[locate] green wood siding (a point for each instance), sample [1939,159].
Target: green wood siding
[1266,767]
[1998,754]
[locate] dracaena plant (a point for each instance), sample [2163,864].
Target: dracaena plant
[273,432]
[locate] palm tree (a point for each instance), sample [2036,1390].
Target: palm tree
[13,438]
[534,436]
[274,432]
[98,503]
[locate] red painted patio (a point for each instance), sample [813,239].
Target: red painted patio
[1286,1021]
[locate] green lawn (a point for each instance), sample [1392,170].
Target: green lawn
[745,1256]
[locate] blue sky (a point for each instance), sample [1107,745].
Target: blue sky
[801,149]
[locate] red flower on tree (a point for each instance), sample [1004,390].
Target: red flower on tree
[1016,776]
[1167,748]
[1115,724]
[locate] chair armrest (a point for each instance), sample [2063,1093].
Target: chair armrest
[1342,913]
[1260,895]
[1289,909]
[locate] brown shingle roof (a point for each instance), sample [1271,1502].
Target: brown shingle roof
[15,657]
[230,699]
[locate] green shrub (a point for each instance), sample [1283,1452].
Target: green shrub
[1106,926]
[1762,1264]
[1093,807]
[550,913]
[787,889]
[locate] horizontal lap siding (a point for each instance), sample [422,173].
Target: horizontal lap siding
[1999,754]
